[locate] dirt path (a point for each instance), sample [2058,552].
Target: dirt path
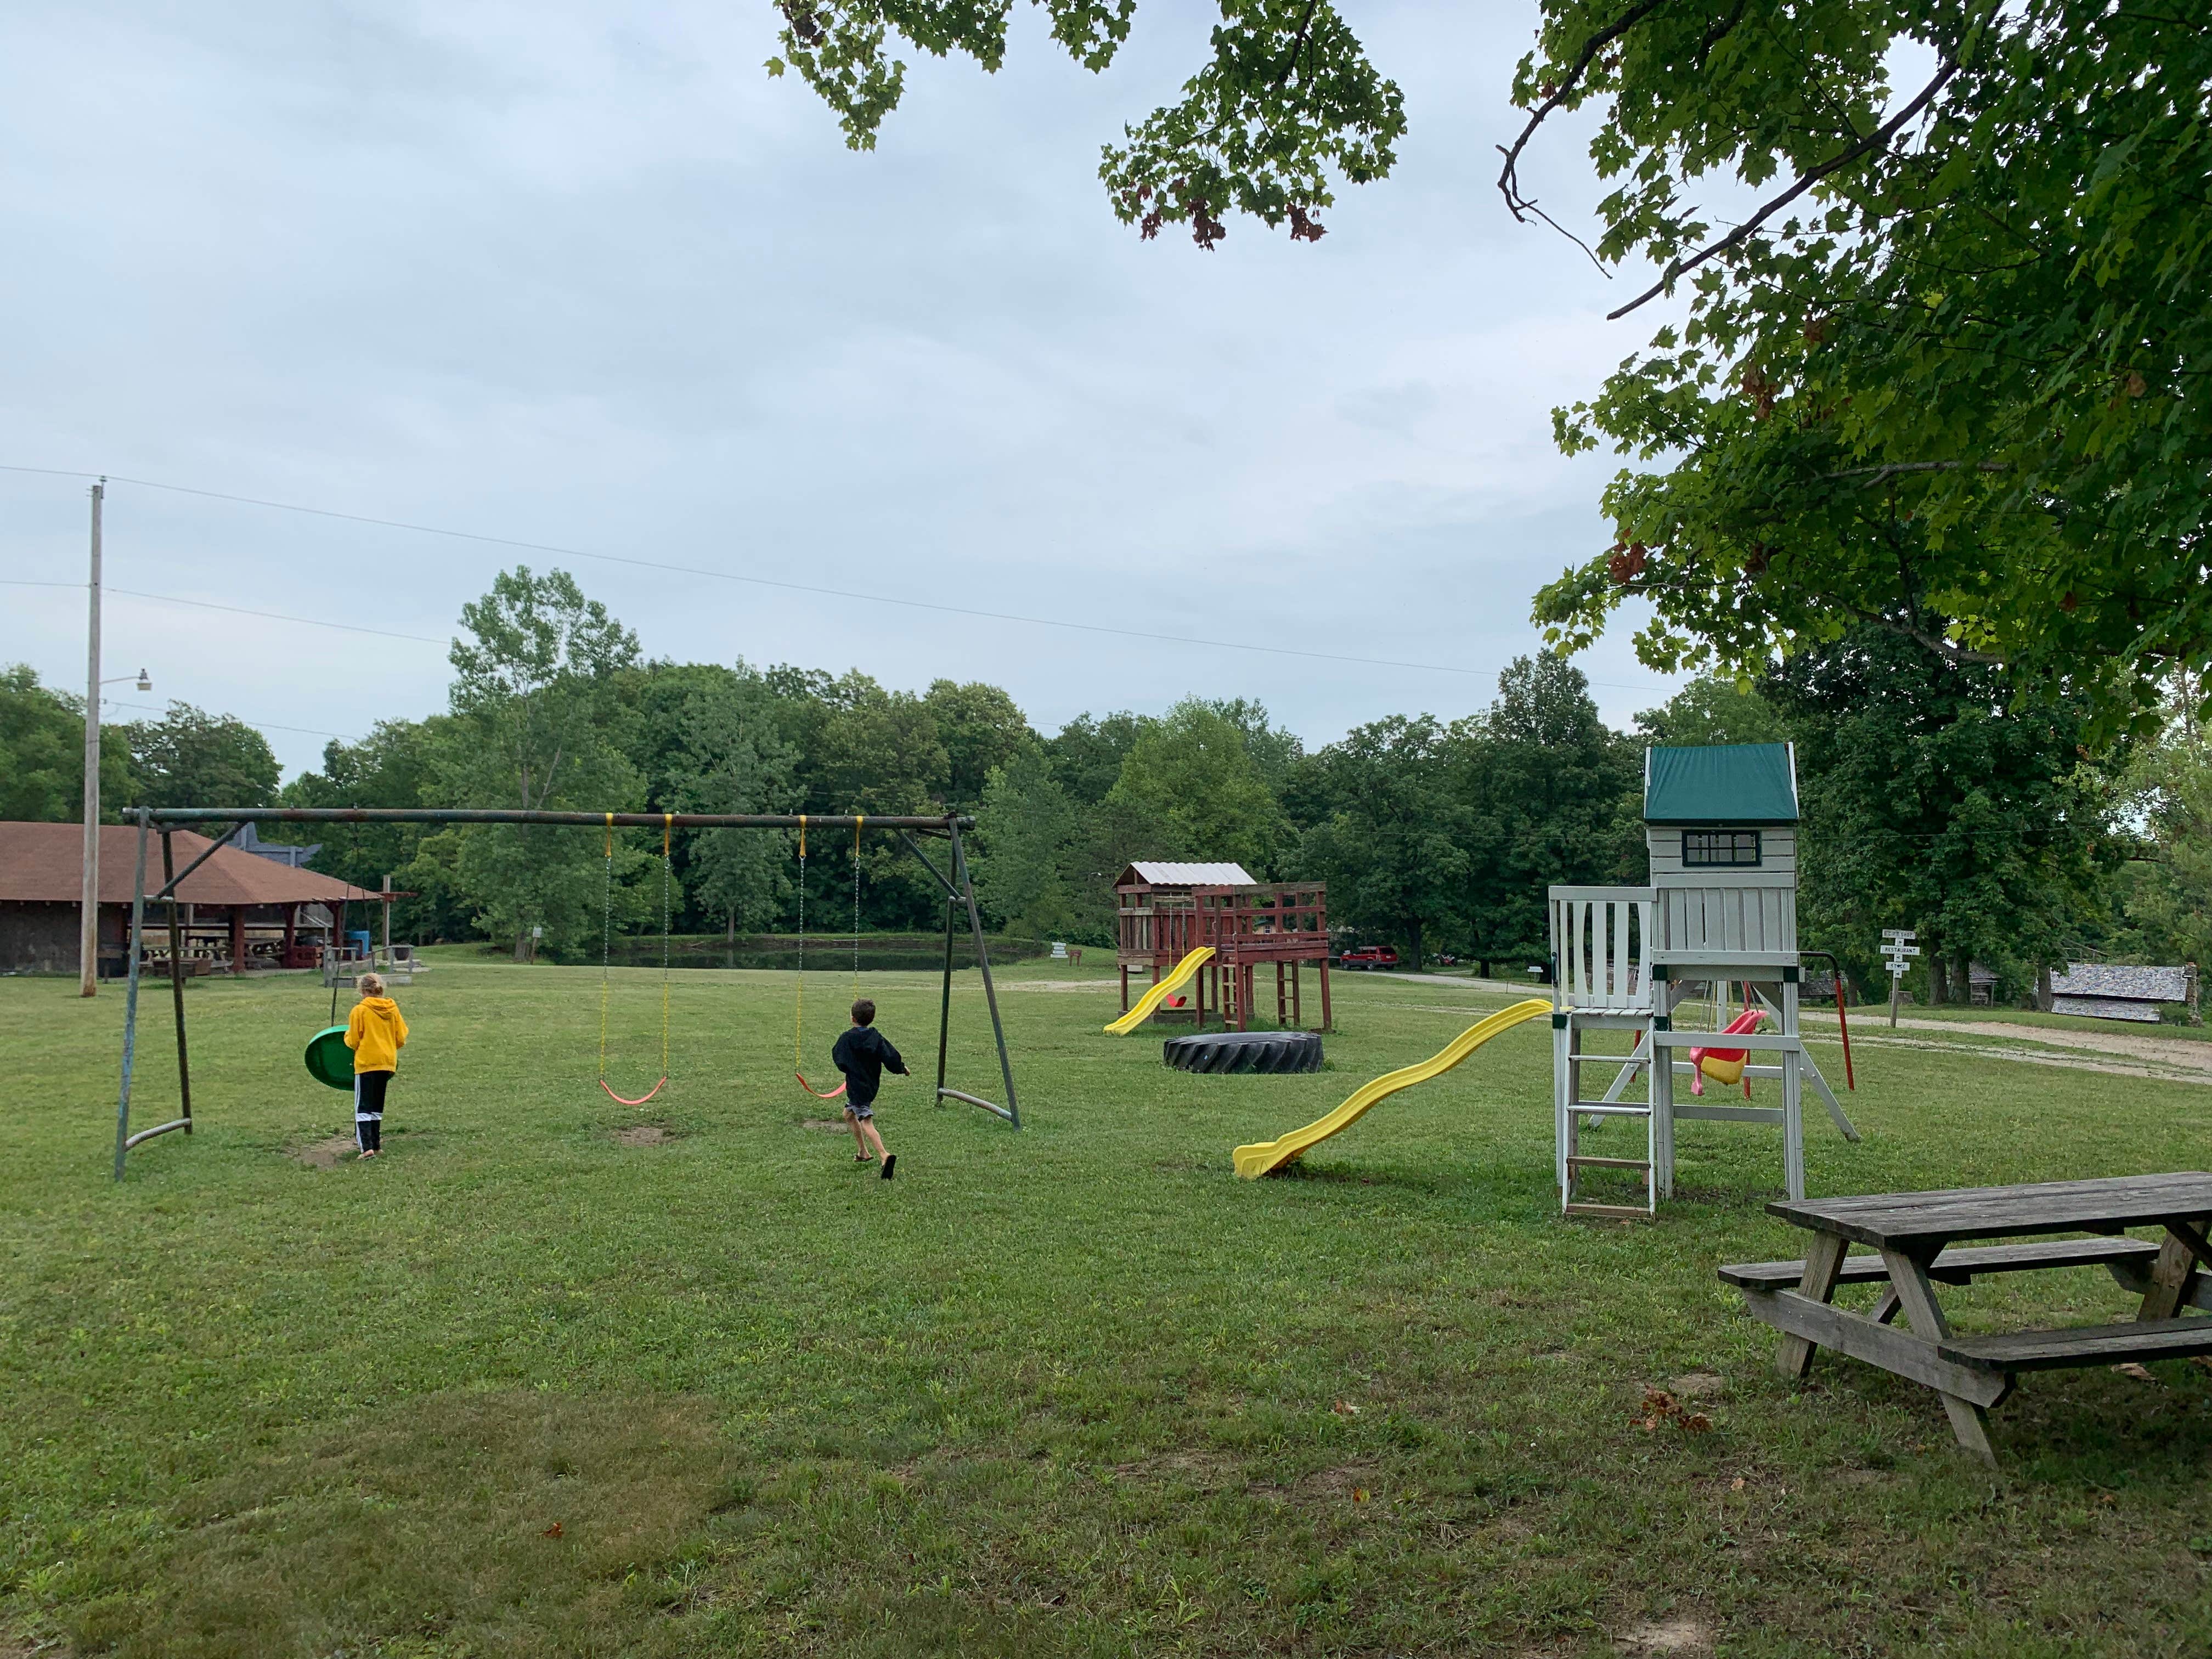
[2171,1055]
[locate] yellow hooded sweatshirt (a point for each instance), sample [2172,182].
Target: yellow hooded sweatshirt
[376,1034]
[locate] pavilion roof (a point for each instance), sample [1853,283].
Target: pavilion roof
[44,862]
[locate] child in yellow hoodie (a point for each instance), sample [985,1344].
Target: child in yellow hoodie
[376,1034]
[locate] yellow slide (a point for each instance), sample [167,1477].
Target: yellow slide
[1160,992]
[1269,1156]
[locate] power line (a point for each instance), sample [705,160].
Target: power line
[259,726]
[790,587]
[237,610]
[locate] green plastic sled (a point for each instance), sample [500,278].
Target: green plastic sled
[329,1061]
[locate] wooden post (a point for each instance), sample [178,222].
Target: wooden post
[1824,1262]
[237,939]
[1908,1281]
[291,931]
[1327,1024]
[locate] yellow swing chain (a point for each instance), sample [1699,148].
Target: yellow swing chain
[606,938]
[667,830]
[798,1006]
[606,943]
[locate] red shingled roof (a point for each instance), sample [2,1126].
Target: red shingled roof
[46,862]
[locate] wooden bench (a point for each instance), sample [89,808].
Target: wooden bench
[2129,1259]
[2138,1341]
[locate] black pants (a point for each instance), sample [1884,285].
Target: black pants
[368,1089]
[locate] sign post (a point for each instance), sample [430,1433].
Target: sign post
[1898,950]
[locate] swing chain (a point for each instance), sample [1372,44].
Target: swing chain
[799,1005]
[667,832]
[606,942]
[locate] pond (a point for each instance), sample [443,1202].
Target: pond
[828,952]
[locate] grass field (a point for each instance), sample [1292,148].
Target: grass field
[519,1387]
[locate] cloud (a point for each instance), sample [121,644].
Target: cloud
[585,275]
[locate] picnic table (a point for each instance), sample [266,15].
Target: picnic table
[1914,1237]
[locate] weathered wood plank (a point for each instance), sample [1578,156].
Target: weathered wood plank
[1961,1266]
[1914,1221]
[1916,1299]
[2090,1345]
[1900,1352]
[1793,1355]
[2167,1293]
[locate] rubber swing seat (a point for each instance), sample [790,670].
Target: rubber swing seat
[329,1061]
[1244,1051]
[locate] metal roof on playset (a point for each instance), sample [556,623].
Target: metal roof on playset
[1747,783]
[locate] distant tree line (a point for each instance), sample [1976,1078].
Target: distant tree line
[1936,796]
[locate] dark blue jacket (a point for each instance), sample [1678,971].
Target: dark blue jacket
[861,1054]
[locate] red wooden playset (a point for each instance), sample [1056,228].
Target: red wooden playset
[1162,912]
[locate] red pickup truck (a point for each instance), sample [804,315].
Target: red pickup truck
[1370,956]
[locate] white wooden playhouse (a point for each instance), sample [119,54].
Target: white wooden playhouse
[1721,912]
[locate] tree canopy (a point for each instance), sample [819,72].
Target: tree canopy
[1286,102]
[42,753]
[1946,377]
[1943,374]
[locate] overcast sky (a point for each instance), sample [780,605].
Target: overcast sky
[583,275]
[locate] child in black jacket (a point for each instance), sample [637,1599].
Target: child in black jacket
[863,1054]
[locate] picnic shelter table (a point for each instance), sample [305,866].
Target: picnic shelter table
[1915,1239]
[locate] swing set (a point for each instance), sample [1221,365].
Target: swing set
[955,880]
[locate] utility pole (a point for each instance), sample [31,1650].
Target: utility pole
[87,942]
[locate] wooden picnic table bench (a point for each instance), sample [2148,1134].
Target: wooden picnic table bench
[1914,1236]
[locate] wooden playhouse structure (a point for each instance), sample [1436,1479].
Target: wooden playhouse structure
[1720,913]
[1164,911]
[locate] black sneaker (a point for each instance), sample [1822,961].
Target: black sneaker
[890,1163]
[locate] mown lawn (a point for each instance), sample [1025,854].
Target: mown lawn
[518,1388]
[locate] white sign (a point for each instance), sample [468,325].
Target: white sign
[1058,950]
[1898,948]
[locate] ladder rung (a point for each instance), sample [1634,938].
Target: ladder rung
[1632,1210]
[1608,1109]
[1580,1162]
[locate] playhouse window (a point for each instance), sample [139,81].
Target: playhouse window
[1714,850]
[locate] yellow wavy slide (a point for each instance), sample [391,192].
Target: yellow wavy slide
[1160,992]
[1269,1156]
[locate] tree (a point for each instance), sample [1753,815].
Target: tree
[1287,101]
[2166,895]
[982,730]
[395,765]
[1194,781]
[731,761]
[1025,831]
[1275,750]
[1549,795]
[1393,851]
[539,723]
[189,757]
[1933,803]
[1945,379]
[1087,754]
[42,755]
[1714,709]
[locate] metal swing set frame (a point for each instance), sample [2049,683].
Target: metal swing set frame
[957,883]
